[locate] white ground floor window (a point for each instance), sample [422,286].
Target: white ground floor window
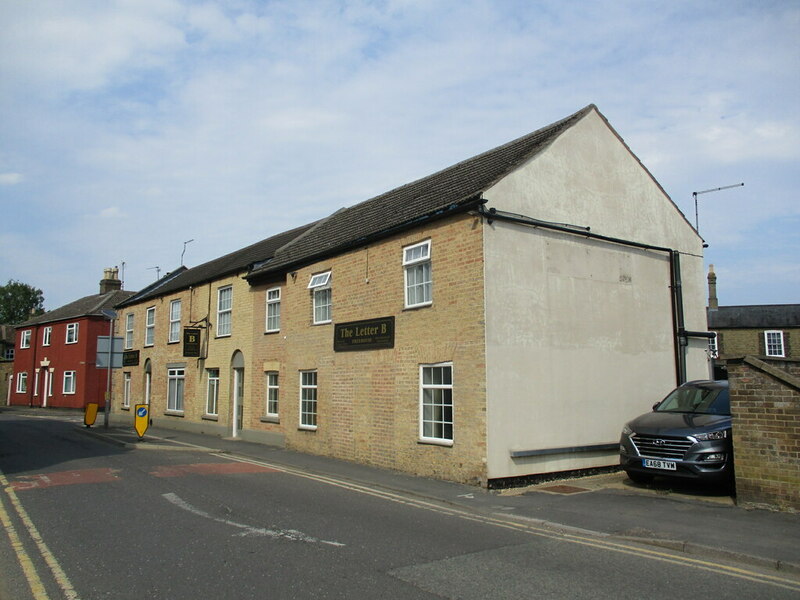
[308,399]
[69,382]
[272,393]
[212,392]
[175,386]
[436,403]
[126,390]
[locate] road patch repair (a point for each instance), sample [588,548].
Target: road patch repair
[225,468]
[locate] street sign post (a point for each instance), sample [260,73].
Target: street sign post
[141,419]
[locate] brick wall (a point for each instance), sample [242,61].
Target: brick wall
[765,403]
[368,401]
[741,342]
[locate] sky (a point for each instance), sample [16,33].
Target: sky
[128,127]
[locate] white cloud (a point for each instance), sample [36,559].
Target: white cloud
[11,178]
[227,122]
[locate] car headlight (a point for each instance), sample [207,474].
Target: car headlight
[627,430]
[711,435]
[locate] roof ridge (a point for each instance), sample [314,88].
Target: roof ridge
[432,196]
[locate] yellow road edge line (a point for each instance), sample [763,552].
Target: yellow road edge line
[619,547]
[55,568]
[28,568]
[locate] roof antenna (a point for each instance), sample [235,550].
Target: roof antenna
[184,249]
[695,194]
[158,272]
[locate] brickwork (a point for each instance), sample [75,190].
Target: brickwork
[765,404]
[197,304]
[750,342]
[368,401]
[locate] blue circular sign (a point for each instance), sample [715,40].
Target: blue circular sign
[141,411]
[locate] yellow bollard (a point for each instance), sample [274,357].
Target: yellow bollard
[90,414]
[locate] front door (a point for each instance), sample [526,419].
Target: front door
[238,401]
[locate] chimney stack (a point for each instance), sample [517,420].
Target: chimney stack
[110,281]
[713,303]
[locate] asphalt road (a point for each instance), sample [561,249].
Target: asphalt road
[85,519]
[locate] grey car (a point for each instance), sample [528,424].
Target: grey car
[687,435]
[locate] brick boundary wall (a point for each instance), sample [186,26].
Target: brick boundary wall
[765,404]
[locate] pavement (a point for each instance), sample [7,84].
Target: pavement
[702,522]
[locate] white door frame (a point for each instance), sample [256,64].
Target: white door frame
[238,401]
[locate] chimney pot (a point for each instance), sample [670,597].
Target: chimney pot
[713,303]
[110,281]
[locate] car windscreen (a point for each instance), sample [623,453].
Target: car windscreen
[705,400]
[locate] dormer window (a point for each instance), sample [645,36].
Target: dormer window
[322,298]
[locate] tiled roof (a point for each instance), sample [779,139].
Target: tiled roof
[764,316]
[234,262]
[87,306]
[455,188]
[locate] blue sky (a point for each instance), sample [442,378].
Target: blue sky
[128,127]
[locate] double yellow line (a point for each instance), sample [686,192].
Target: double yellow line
[640,551]
[38,589]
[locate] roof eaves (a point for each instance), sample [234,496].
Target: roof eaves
[273,267]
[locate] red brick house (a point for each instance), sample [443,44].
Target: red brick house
[54,361]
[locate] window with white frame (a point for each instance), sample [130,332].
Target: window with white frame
[174,321]
[129,331]
[308,399]
[36,383]
[150,326]
[273,309]
[713,347]
[72,333]
[46,335]
[320,286]
[417,268]
[212,391]
[436,403]
[773,342]
[25,339]
[175,386]
[22,383]
[126,390]
[9,353]
[272,393]
[224,310]
[69,382]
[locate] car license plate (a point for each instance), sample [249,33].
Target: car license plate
[652,463]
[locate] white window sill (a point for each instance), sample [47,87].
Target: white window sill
[415,306]
[307,427]
[435,442]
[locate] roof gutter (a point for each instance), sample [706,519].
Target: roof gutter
[679,333]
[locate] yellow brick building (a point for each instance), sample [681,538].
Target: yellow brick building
[500,318]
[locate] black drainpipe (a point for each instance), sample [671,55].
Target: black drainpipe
[678,321]
[680,335]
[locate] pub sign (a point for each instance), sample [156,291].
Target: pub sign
[371,334]
[191,342]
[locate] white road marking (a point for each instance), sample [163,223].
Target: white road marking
[247,530]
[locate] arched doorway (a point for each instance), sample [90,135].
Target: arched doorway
[237,395]
[148,381]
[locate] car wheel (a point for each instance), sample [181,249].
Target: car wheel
[639,477]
